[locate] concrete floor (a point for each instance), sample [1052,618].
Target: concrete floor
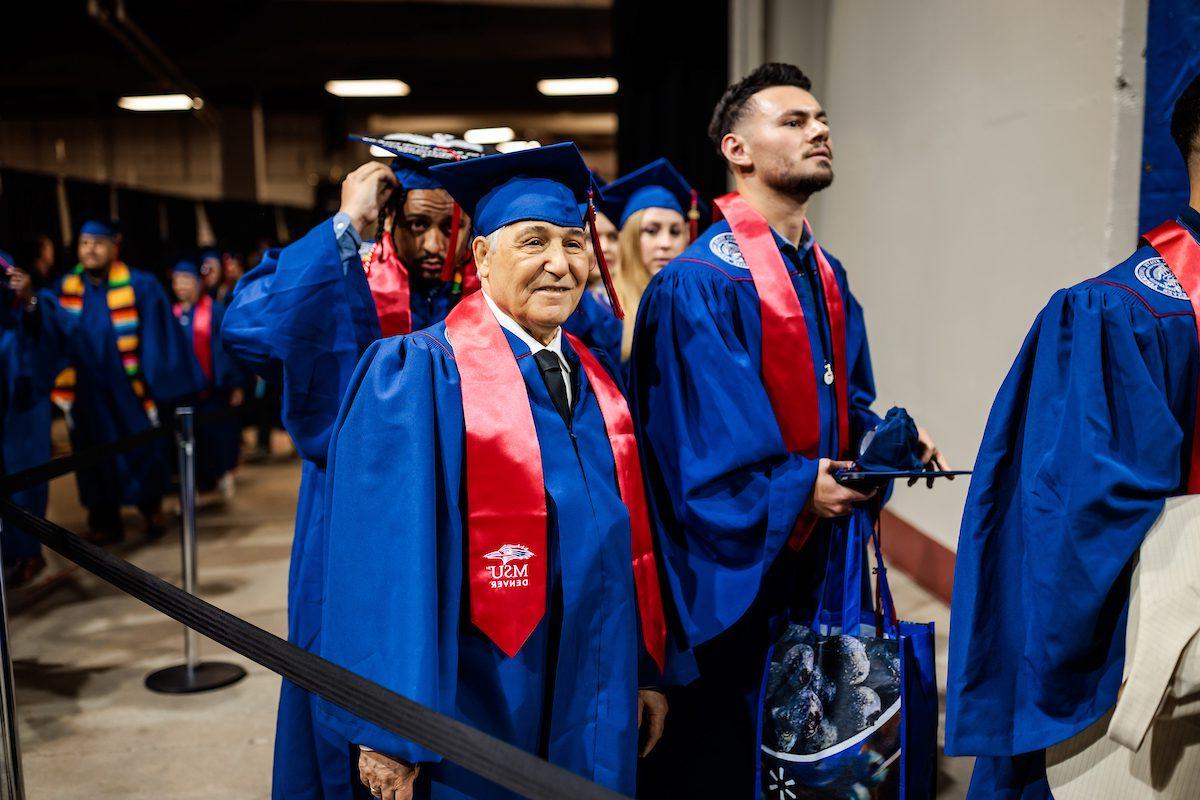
[88,726]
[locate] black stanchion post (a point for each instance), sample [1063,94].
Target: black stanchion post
[13,787]
[190,676]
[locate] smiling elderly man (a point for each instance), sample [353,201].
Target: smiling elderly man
[490,554]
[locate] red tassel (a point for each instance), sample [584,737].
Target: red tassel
[693,216]
[452,244]
[605,275]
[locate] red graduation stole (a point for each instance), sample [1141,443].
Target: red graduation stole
[388,280]
[506,491]
[787,362]
[201,333]
[1177,247]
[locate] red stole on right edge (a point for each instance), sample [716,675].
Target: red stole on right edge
[787,363]
[1177,247]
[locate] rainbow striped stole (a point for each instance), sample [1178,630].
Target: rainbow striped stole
[122,309]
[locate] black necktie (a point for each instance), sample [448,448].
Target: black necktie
[552,373]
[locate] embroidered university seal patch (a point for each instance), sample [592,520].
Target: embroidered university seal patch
[1154,273]
[725,247]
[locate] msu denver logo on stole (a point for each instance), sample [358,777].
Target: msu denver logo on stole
[504,574]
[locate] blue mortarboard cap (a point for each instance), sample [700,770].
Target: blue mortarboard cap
[603,204]
[415,154]
[187,266]
[894,447]
[542,183]
[656,185]
[95,227]
[7,258]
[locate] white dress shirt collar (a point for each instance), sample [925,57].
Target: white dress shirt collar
[512,326]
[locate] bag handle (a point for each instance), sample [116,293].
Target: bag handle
[885,606]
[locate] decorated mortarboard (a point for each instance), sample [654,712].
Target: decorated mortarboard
[546,184]
[6,260]
[892,450]
[96,227]
[188,266]
[656,185]
[414,154]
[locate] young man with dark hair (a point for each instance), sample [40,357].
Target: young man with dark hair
[1094,427]
[752,386]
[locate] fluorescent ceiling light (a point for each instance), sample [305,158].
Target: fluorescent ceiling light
[384,87]
[159,102]
[490,135]
[512,147]
[565,87]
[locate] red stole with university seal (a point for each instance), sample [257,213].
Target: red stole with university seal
[1177,247]
[506,491]
[787,363]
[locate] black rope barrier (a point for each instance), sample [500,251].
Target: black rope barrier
[57,467]
[497,761]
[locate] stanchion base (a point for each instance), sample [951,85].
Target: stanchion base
[203,677]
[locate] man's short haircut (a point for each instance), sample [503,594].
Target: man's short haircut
[732,105]
[1185,119]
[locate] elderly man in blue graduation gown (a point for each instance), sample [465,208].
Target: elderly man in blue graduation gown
[1093,428]
[744,420]
[303,317]
[34,339]
[490,555]
[130,363]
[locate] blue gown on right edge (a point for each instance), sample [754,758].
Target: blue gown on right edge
[1089,434]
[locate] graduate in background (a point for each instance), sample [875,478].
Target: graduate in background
[751,381]
[129,360]
[34,339]
[217,440]
[593,321]
[1093,428]
[302,318]
[490,555]
[658,216]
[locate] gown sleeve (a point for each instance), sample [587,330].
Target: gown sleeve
[862,376]
[393,574]
[724,489]
[1079,453]
[303,317]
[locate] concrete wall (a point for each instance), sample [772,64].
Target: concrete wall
[986,154]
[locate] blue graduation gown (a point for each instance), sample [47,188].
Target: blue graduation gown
[1088,435]
[396,603]
[725,491]
[302,318]
[596,326]
[217,441]
[33,349]
[105,407]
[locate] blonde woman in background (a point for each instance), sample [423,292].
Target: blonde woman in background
[659,217]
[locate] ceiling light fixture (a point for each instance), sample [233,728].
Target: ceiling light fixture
[514,146]
[490,135]
[381,87]
[572,87]
[160,102]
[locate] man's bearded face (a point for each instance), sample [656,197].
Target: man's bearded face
[422,233]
